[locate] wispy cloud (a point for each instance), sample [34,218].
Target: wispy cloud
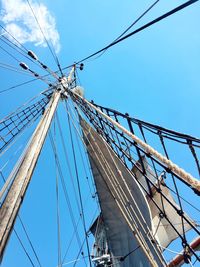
[20,22]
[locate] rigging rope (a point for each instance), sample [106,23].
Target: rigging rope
[11,126]
[125,206]
[182,174]
[67,162]
[79,189]
[18,61]
[65,192]
[27,235]
[173,11]
[47,42]
[78,135]
[135,22]
[57,201]
[13,68]
[87,111]
[20,44]
[26,252]
[18,85]
[19,50]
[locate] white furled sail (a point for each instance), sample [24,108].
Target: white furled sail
[163,231]
[125,210]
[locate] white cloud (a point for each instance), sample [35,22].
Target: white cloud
[20,22]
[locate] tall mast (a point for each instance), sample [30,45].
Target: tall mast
[16,192]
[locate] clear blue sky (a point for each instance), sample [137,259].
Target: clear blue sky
[153,76]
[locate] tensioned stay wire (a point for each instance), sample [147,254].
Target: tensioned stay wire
[147,25]
[57,199]
[19,50]
[135,21]
[65,192]
[79,135]
[81,154]
[188,3]
[67,161]
[20,44]
[27,236]
[79,189]
[47,42]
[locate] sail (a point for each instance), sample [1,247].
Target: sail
[106,166]
[163,231]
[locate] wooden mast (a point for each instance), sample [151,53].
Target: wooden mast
[16,192]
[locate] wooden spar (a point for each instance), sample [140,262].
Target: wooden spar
[179,259]
[16,193]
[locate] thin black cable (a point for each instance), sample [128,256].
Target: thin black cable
[138,19]
[77,141]
[21,84]
[25,53]
[15,47]
[132,251]
[19,50]
[30,81]
[173,11]
[70,242]
[80,252]
[19,239]
[50,49]
[10,68]
[26,233]
[21,45]
[18,61]
[175,186]
[18,122]
[31,244]
[79,189]
[57,60]
[12,44]
[86,153]
[74,234]
[84,166]
[195,262]
[57,201]
[85,239]
[67,161]
[65,191]
[149,126]
[26,252]
[186,201]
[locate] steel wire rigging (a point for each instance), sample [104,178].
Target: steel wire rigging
[147,25]
[52,51]
[175,10]
[132,24]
